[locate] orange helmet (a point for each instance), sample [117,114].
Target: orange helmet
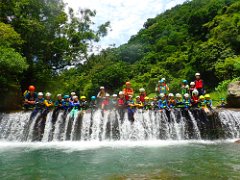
[128,83]
[31,88]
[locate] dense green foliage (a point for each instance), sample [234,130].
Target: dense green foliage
[197,36]
[45,37]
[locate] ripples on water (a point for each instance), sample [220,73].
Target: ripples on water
[120,160]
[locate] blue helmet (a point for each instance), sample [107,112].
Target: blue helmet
[184,81]
[65,96]
[93,98]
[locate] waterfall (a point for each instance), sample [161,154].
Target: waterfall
[115,125]
[230,121]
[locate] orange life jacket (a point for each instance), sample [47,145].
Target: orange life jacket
[127,91]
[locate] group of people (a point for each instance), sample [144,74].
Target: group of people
[191,96]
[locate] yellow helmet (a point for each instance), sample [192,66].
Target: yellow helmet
[201,97]
[207,96]
[146,98]
[83,97]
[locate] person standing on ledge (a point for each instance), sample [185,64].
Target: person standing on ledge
[100,96]
[128,91]
[199,84]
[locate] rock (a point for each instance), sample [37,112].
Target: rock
[238,141]
[233,96]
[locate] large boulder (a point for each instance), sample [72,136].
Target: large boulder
[233,96]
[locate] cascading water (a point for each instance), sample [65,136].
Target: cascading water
[111,125]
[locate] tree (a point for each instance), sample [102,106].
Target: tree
[12,64]
[51,38]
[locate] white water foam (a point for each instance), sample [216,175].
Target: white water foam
[69,146]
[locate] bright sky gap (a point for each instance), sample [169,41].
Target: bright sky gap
[126,16]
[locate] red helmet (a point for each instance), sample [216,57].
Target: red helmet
[128,83]
[31,88]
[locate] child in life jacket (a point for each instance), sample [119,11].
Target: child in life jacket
[162,103]
[171,101]
[142,94]
[194,99]
[138,103]
[192,88]
[187,101]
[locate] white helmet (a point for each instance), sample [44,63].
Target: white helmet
[114,95]
[102,87]
[141,90]
[120,93]
[162,95]
[186,95]
[178,95]
[197,74]
[195,92]
[137,97]
[171,95]
[163,79]
[107,95]
[40,94]
[75,97]
[48,94]
[59,95]
[73,93]
[192,84]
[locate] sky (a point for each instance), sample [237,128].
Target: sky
[126,16]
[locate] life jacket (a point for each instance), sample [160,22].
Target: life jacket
[93,104]
[162,89]
[139,104]
[129,103]
[48,103]
[31,97]
[142,96]
[171,102]
[84,105]
[202,104]
[58,103]
[154,105]
[39,103]
[162,104]
[147,105]
[208,103]
[106,104]
[185,89]
[66,105]
[179,103]
[187,103]
[127,91]
[75,105]
[121,102]
[199,84]
[195,99]
[114,102]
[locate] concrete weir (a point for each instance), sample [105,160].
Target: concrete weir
[113,125]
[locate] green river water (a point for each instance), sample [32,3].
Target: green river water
[120,160]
